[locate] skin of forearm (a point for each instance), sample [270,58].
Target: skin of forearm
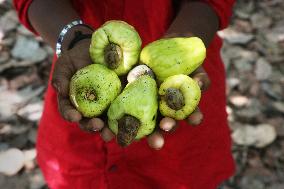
[194,19]
[48,17]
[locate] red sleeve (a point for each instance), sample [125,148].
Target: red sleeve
[22,7]
[223,9]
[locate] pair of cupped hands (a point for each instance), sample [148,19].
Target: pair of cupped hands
[78,57]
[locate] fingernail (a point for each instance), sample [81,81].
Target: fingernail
[95,129]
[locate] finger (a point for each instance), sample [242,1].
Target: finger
[84,125]
[106,134]
[167,123]
[156,140]
[91,125]
[97,124]
[198,70]
[67,111]
[195,118]
[203,80]
[62,74]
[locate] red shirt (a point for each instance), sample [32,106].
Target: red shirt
[192,158]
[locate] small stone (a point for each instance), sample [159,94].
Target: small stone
[276,34]
[235,125]
[233,82]
[235,37]
[263,69]
[30,93]
[249,56]
[279,106]
[238,56]
[17,99]
[11,161]
[30,154]
[244,135]
[239,100]
[32,111]
[258,136]
[8,21]
[9,107]
[231,52]
[260,21]
[28,49]
[243,65]
[266,134]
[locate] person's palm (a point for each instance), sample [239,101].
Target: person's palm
[65,67]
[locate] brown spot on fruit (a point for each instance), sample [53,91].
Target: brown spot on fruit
[91,96]
[112,55]
[174,98]
[128,127]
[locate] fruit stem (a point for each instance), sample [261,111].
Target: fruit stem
[128,127]
[174,98]
[112,55]
[91,96]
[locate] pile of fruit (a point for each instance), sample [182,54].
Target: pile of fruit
[159,81]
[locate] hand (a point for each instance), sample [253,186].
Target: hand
[78,57]
[167,124]
[66,65]
[179,28]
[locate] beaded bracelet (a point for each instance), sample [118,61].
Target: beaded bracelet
[63,33]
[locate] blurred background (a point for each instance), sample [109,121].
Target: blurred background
[253,54]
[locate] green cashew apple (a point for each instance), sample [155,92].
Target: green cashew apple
[116,45]
[179,96]
[93,88]
[132,115]
[168,57]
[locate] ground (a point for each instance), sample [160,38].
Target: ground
[253,53]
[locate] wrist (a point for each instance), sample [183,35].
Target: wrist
[69,37]
[194,19]
[171,34]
